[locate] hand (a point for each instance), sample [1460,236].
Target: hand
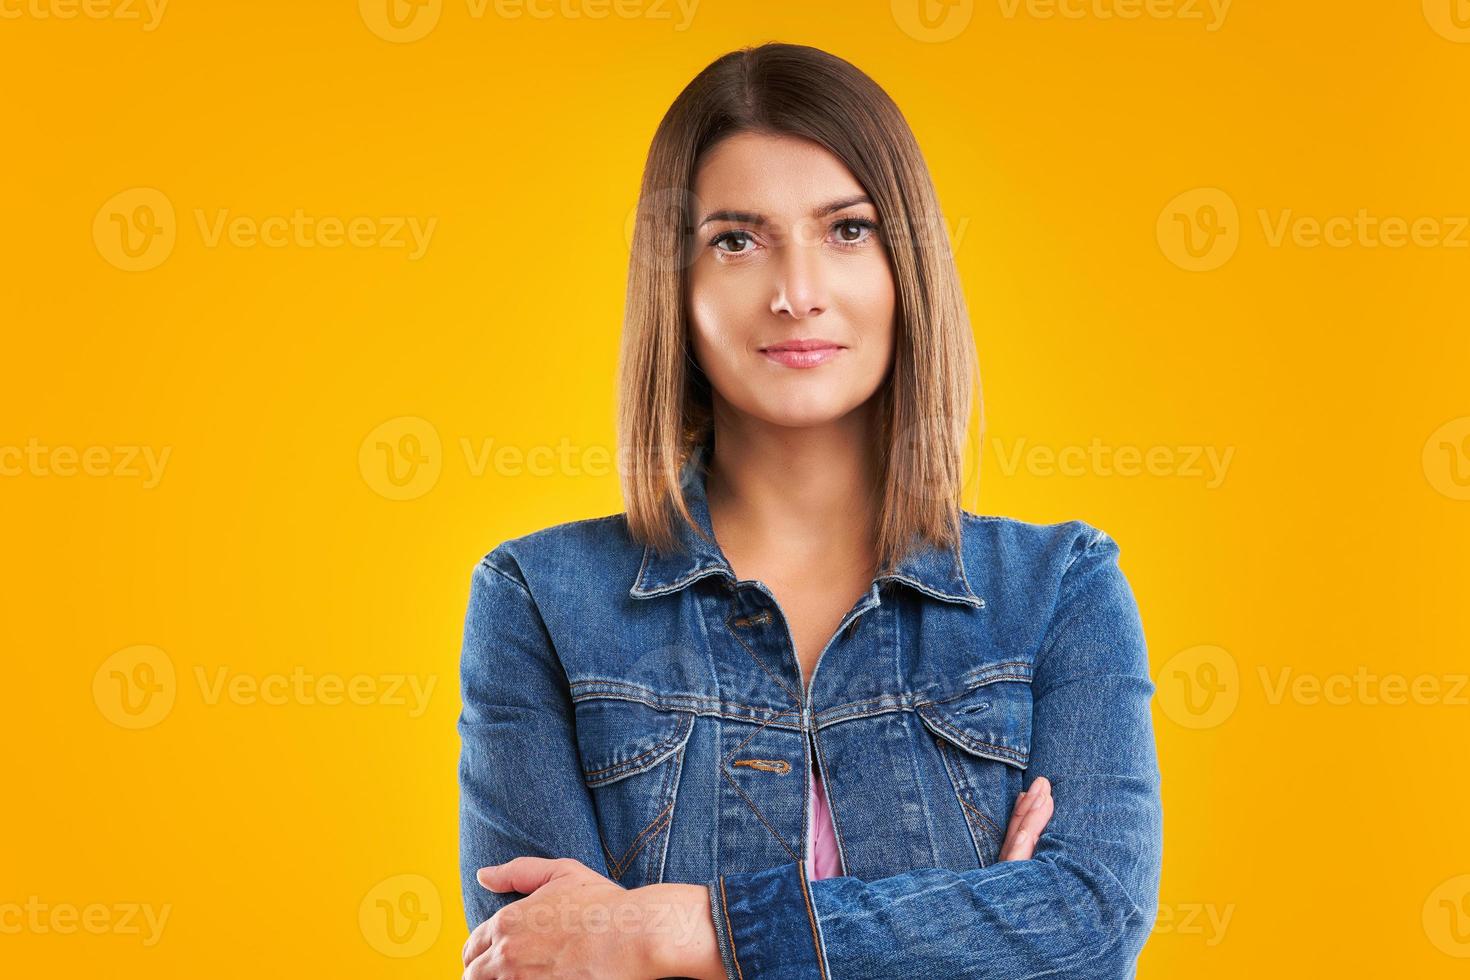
[1032,813]
[573,922]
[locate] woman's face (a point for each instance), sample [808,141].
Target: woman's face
[787,249]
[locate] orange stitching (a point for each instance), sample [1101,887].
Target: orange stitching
[760,618]
[812,918]
[649,832]
[748,801]
[990,831]
[780,766]
[1017,754]
[759,662]
[729,932]
[653,751]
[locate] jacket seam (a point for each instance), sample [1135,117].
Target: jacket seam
[812,920]
[725,908]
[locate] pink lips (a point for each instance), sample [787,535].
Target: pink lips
[803,353]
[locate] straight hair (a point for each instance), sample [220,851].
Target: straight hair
[664,398]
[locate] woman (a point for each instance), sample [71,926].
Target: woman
[794,611]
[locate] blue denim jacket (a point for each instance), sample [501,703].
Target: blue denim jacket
[644,714]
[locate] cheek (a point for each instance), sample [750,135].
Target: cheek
[719,310]
[870,302]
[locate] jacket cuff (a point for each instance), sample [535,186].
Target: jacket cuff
[766,925]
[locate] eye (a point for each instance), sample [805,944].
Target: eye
[742,241]
[854,232]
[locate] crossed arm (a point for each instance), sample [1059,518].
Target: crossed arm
[1081,906]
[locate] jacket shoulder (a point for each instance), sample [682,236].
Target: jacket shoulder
[994,537]
[577,551]
[1019,566]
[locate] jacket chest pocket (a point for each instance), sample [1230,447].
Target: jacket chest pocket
[984,738]
[631,758]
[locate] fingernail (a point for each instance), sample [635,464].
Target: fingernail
[1036,803]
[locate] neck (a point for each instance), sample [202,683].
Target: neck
[807,493]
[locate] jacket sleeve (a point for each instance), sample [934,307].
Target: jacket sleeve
[520,782]
[1081,907]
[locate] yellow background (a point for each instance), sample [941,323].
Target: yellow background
[1302,837]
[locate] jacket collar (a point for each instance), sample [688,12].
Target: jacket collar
[927,568]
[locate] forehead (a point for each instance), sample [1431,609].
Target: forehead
[780,176]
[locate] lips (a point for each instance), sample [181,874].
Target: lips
[811,343]
[806,353]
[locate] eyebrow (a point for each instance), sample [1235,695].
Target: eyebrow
[756,218]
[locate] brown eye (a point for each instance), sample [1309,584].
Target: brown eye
[741,238]
[854,231]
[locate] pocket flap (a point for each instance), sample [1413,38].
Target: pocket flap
[618,738]
[992,720]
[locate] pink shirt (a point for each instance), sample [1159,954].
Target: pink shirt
[823,861]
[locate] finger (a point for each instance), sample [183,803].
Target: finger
[524,874]
[478,942]
[1037,796]
[481,968]
[1030,827]
[1026,798]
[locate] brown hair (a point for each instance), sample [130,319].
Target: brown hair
[664,397]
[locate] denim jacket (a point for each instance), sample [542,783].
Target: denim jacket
[645,714]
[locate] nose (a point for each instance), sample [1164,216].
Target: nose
[800,289]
